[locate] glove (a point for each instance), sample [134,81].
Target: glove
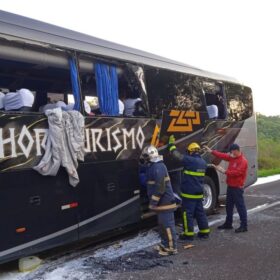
[220,169]
[171,143]
[207,149]
[171,140]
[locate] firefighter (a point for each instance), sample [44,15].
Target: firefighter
[161,199]
[192,190]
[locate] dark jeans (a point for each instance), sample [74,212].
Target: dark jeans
[235,198]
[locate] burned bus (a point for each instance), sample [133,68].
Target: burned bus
[58,65]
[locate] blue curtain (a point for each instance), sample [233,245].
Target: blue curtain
[75,83]
[107,89]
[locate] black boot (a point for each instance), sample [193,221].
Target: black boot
[225,226]
[241,229]
[203,235]
[185,237]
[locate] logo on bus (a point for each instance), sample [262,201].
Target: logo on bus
[183,121]
[13,144]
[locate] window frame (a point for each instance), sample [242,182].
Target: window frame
[222,86]
[118,63]
[240,94]
[190,78]
[64,54]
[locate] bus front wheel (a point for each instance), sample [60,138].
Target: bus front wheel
[210,195]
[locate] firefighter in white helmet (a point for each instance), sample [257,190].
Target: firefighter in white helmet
[162,199]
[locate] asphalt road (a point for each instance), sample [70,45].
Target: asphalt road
[227,255]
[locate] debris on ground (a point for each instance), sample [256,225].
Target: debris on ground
[141,260]
[189,246]
[29,263]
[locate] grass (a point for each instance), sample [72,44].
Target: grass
[268,172]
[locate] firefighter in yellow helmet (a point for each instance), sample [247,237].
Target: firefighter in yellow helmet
[192,189]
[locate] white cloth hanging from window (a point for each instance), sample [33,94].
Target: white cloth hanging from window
[65,144]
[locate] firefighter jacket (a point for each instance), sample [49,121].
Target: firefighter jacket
[194,168]
[159,188]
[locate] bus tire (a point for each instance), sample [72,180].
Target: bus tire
[210,195]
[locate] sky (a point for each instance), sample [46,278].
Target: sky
[238,38]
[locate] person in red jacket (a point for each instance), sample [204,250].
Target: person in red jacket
[236,175]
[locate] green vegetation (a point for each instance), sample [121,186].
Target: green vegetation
[268,145]
[268,172]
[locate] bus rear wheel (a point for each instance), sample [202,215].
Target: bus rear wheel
[210,195]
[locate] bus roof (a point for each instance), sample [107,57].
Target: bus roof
[27,29]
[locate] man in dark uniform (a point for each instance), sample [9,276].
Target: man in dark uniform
[162,199]
[192,190]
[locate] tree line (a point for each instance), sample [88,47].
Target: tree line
[268,142]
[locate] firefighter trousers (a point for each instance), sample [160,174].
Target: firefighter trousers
[193,209]
[167,230]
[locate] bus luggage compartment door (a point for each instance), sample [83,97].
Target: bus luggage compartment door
[38,212]
[109,196]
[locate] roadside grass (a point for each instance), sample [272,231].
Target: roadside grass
[268,172]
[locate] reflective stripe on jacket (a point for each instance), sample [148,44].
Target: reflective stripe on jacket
[193,174]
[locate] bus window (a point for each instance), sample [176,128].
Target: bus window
[248,102]
[240,102]
[43,72]
[88,85]
[55,97]
[98,103]
[215,100]
[172,90]
[131,91]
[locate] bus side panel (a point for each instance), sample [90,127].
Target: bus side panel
[247,139]
[219,135]
[41,208]
[109,192]
[109,196]
[35,213]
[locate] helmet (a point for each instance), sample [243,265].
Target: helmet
[150,153]
[193,147]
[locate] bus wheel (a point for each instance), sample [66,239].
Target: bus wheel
[210,195]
